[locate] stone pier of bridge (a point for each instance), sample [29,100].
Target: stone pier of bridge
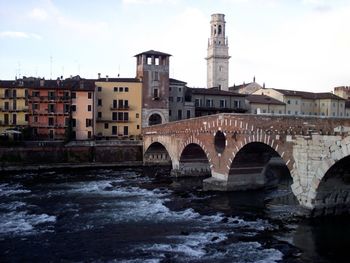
[235,151]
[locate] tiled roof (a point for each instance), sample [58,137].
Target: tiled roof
[213,91]
[117,80]
[237,87]
[153,52]
[263,99]
[176,81]
[309,95]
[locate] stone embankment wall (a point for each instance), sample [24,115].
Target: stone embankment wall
[76,153]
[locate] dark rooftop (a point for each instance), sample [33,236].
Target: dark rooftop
[176,81]
[153,52]
[215,91]
[117,80]
[263,99]
[309,95]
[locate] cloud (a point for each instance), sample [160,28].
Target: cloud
[38,14]
[145,2]
[18,34]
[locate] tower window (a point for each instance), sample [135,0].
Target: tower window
[220,30]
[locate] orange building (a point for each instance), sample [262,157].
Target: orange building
[49,108]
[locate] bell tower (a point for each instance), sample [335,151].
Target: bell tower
[217,54]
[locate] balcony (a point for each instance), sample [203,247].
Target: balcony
[124,107]
[110,120]
[46,112]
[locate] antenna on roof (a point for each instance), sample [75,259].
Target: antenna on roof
[50,67]
[254,79]
[19,69]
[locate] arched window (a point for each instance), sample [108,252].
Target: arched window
[220,30]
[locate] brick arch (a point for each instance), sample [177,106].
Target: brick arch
[275,145]
[166,145]
[342,151]
[193,139]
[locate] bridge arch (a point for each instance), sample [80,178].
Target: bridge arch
[157,153]
[330,188]
[193,161]
[257,165]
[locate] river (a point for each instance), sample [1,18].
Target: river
[128,215]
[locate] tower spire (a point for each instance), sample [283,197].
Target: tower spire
[217,54]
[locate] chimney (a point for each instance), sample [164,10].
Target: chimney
[254,79]
[42,82]
[98,75]
[106,77]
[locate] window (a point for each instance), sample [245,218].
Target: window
[74,122]
[169,112]
[99,89]
[138,127]
[99,115]
[74,95]
[180,89]
[51,108]
[115,116]
[137,115]
[89,134]
[35,119]
[120,104]
[66,121]
[88,122]
[179,99]
[34,93]
[223,103]
[296,112]
[179,114]
[126,130]
[289,112]
[66,108]
[51,95]
[26,117]
[209,103]
[7,93]
[14,94]
[106,125]
[14,119]
[6,105]
[264,111]
[114,130]
[288,101]
[74,108]
[121,89]
[198,102]
[126,116]
[89,95]
[115,89]
[126,104]
[155,93]
[188,114]
[126,89]
[236,104]
[89,107]
[155,76]
[296,102]
[120,116]
[51,121]
[280,112]
[99,102]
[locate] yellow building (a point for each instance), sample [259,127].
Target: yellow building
[13,106]
[118,108]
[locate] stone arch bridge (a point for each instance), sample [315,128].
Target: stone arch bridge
[235,150]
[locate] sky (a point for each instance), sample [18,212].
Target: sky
[286,44]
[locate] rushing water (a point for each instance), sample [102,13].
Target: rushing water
[127,216]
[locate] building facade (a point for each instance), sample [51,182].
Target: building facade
[83,121]
[152,70]
[118,108]
[343,92]
[308,103]
[180,105]
[262,104]
[213,101]
[13,107]
[49,103]
[217,54]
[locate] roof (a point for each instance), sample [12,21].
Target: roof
[176,81]
[118,80]
[153,52]
[236,87]
[263,99]
[214,91]
[309,95]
